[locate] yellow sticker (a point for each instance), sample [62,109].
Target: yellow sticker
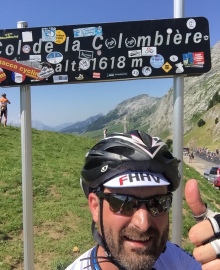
[167,67]
[60,37]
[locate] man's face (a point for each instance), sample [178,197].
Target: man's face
[137,241]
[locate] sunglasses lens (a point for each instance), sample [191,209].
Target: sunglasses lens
[160,205]
[122,205]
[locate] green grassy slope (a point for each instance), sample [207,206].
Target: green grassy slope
[61,216]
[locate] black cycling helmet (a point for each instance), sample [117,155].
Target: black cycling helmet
[135,151]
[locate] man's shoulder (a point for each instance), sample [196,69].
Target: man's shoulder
[174,257]
[175,249]
[82,262]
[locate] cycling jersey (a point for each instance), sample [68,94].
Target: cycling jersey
[174,258]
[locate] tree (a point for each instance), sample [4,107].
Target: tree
[215,100]
[201,123]
[169,143]
[211,104]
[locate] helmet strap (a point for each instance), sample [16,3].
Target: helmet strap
[101,239]
[97,237]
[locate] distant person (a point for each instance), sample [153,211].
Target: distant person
[105,132]
[191,157]
[4,109]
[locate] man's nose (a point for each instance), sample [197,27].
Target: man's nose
[142,219]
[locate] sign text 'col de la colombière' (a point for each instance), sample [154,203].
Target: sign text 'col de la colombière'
[104,51]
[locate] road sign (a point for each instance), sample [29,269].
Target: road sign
[104,51]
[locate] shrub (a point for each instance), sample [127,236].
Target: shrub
[215,99]
[201,123]
[169,143]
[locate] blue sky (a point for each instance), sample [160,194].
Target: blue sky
[54,105]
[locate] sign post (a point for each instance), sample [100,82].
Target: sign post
[27,187]
[178,87]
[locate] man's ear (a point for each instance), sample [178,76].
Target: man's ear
[94,206]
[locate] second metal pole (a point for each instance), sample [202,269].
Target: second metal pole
[178,87]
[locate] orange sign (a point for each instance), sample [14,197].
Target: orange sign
[19,68]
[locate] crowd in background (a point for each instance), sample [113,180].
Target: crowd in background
[204,151]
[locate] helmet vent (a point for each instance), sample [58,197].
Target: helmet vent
[121,150]
[93,164]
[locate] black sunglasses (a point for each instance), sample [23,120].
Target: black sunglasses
[127,205]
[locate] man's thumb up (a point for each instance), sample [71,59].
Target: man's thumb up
[193,198]
[205,234]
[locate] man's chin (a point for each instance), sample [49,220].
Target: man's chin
[138,258]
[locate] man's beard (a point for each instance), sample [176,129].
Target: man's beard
[140,258]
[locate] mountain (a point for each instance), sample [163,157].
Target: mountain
[155,114]
[198,91]
[136,110]
[61,126]
[207,135]
[80,127]
[35,124]
[40,126]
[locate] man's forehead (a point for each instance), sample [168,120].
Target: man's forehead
[142,192]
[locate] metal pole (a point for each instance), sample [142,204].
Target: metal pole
[178,86]
[125,124]
[27,187]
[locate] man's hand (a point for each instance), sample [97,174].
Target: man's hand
[204,231]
